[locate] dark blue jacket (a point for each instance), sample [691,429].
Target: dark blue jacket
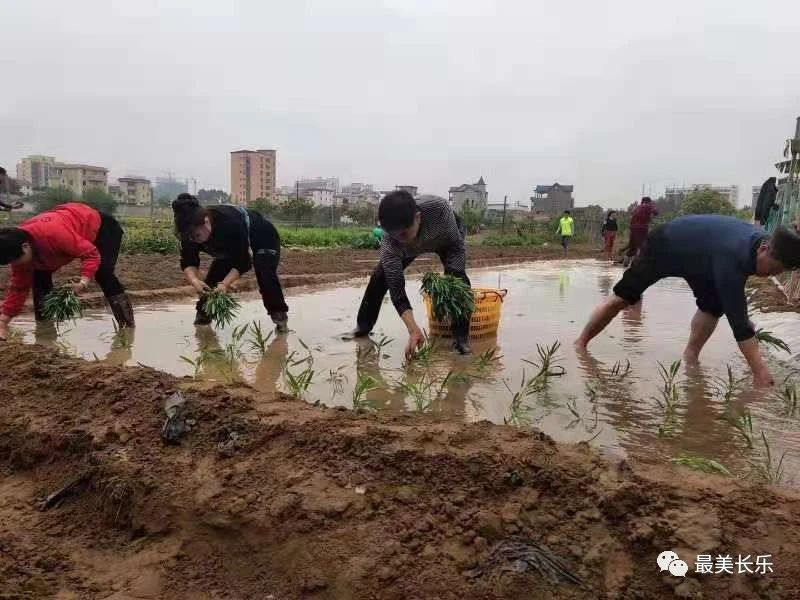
[717,250]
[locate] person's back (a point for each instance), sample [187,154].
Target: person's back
[642,215]
[699,245]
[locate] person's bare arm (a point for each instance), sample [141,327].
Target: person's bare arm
[193,277]
[415,334]
[232,276]
[761,375]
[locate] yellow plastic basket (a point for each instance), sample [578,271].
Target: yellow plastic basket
[485,319]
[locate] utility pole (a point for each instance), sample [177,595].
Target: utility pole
[505,203]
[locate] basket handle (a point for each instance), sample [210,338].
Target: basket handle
[501,294]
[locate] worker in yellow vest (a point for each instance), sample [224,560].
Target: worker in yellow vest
[566,229]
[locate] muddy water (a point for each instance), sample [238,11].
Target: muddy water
[599,398]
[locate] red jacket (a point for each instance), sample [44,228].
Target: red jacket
[58,237]
[642,215]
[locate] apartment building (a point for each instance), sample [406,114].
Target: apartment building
[253,176]
[78,178]
[34,170]
[135,191]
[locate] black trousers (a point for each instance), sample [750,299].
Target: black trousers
[376,290]
[265,265]
[108,243]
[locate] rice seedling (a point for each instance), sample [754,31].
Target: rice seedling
[61,304]
[337,379]
[618,371]
[518,409]
[258,340]
[743,423]
[203,356]
[789,397]
[766,338]
[452,299]
[766,469]
[728,387]
[365,383]
[699,463]
[572,407]
[427,389]
[299,382]
[548,363]
[670,397]
[221,307]
[486,361]
[422,354]
[381,344]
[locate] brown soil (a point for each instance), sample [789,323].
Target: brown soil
[268,497]
[769,297]
[152,277]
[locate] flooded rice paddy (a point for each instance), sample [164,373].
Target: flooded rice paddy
[612,397]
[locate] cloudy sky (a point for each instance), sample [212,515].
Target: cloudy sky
[609,96]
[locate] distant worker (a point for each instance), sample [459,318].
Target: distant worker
[566,228]
[52,239]
[4,181]
[377,236]
[229,234]
[609,233]
[640,225]
[715,255]
[413,227]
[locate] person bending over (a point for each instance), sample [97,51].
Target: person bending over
[42,245]
[413,227]
[229,234]
[715,255]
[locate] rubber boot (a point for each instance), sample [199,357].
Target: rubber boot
[281,320]
[122,310]
[461,344]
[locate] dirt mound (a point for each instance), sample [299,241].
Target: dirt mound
[268,497]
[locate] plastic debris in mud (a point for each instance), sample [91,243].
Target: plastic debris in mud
[517,555]
[175,426]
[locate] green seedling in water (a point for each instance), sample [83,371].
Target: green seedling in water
[670,397]
[699,463]
[548,363]
[365,383]
[789,397]
[298,383]
[572,407]
[617,369]
[258,340]
[486,361]
[337,379]
[729,386]
[381,344]
[422,354]
[743,423]
[766,338]
[766,469]
[427,389]
[203,356]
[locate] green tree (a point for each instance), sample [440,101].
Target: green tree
[298,209]
[100,200]
[51,197]
[264,206]
[471,219]
[706,202]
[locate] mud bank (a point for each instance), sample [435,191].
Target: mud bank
[153,277]
[292,501]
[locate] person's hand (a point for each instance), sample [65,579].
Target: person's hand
[200,286]
[3,331]
[222,287]
[80,287]
[415,338]
[763,378]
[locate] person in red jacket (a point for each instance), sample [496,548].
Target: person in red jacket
[52,239]
[640,225]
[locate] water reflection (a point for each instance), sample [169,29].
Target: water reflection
[268,369]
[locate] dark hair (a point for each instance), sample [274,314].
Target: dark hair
[784,246]
[2,171]
[647,200]
[397,210]
[610,212]
[11,240]
[188,214]
[566,212]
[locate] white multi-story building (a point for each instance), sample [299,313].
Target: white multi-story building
[728,192]
[319,196]
[319,183]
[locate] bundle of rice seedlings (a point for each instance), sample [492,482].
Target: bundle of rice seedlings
[61,304]
[766,337]
[221,307]
[452,298]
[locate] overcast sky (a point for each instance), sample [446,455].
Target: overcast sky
[606,95]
